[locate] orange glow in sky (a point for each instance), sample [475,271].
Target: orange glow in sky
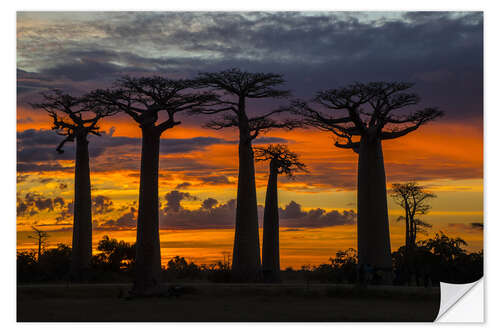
[438,155]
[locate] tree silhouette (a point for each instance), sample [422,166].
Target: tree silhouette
[413,198]
[75,118]
[281,160]
[145,100]
[235,87]
[114,255]
[369,112]
[41,238]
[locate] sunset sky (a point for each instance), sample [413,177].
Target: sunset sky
[442,53]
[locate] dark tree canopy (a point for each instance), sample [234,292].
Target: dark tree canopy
[377,107]
[232,87]
[146,98]
[414,199]
[72,116]
[244,84]
[284,161]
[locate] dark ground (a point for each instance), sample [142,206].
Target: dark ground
[205,302]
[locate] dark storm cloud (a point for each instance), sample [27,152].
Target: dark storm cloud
[33,203]
[42,167]
[174,199]
[182,185]
[36,149]
[209,203]
[101,204]
[215,180]
[211,214]
[21,178]
[294,217]
[269,139]
[477,225]
[125,222]
[66,213]
[470,227]
[441,52]
[83,70]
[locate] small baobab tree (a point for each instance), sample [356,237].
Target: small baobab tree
[146,100]
[414,199]
[75,118]
[41,239]
[233,88]
[370,113]
[281,160]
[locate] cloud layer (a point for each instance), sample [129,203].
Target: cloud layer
[441,51]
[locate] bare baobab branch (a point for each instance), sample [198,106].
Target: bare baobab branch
[284,160]
[418,118]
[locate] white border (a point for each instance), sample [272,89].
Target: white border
[492,118]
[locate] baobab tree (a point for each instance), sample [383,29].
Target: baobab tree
[281,160]
[146,100]
[370,113]
[75,118]
[413,198]
[234,87]
[41,239]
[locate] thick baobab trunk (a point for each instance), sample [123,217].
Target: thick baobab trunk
[81,252]
[148,257]
[374,246]
[270,242]
[246,251]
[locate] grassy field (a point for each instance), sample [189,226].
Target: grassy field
[204,302]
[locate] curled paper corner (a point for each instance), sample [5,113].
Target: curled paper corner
[461,303]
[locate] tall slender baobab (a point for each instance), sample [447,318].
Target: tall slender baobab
[236,87]
[281,160]
[146,99]
[368,111]
[75,118]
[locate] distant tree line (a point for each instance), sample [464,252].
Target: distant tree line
[440,258]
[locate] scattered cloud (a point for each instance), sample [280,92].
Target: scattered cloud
[470,227]
[215,180]
[101,205]
[183,185]
[209,203]
[174,199]
[33,203]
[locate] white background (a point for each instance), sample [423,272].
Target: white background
[8,179]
